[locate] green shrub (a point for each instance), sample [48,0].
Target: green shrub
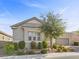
[16,46]
[44,44]
[60,46]
[33,45]
[59,50]
[9,48]
[21,45]
[39,45]
[65,49]
[55,46]
[44,51]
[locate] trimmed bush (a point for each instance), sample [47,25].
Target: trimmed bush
[44,44]
[16,46]
[65,49]
[60,46]
[39,45]
[33,45]
[44,51]
[9,48]
[55,46]
[21,45]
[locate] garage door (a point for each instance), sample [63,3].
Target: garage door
[63,41]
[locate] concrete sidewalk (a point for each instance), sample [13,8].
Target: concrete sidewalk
[68,55]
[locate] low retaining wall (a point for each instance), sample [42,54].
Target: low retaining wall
[69,55]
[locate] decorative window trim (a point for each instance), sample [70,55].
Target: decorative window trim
[34,35]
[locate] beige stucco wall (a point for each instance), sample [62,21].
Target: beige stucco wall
[17,34]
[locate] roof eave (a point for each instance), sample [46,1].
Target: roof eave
[17,24]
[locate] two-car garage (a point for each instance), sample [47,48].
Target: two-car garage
[62,41]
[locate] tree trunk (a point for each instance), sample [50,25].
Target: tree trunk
[51,43]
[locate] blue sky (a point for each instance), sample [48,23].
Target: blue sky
[13,11]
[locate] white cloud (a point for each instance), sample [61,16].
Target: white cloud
[33,4]
[37,5]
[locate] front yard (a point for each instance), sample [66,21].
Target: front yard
[19,48]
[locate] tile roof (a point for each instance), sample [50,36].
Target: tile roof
[20,23]
[1,32]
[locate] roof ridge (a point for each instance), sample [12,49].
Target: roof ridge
[22,22]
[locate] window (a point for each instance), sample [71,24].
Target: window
[76,43]
[30,38]
[34,36]
[30,33]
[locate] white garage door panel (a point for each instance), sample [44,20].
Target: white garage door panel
[62,41]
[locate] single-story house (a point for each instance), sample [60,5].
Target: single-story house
[28,30]
[5,37]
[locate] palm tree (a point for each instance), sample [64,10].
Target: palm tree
[52,27]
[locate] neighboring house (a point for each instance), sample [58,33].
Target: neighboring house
[5,37]
[68,39]
[28,30]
